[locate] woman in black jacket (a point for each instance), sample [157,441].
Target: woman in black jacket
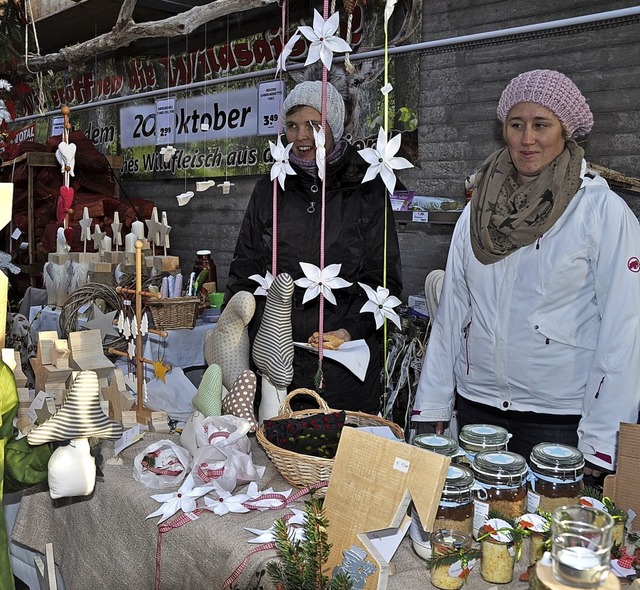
[354,238]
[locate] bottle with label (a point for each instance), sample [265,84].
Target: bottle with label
[556,480]
[500,485]
[205,262]
[482,437]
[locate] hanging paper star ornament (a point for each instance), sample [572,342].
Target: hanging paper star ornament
[318,281]
[381,304]
[286,52]
[321,152]
[263,282]
[167,153]
[281,166]
[184,499]
[383,160]
[324,41]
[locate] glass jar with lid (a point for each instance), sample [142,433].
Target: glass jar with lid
[482,437]
[438,443]
[445,541]
[455,509]
[557,471]
[500,485]
[442,445]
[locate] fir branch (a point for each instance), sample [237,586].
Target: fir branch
[449,557]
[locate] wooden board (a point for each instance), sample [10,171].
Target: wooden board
[372,484]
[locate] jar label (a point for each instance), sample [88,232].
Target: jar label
[533,501]
[499,458]
[556,451]
[480,515]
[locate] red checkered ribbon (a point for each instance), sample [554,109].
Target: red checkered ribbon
[164,528]
[161,471]
[626,561]
[219,434]
[207,475]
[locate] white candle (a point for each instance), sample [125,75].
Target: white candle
[106,244]
[137,227]
[130,243]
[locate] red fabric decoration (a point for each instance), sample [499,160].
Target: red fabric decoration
[64,202]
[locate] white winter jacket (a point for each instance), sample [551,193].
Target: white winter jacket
[553,328]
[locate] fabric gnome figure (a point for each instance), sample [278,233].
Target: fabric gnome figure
[72,469]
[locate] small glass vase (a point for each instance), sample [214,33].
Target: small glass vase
[536,547]
[498,561]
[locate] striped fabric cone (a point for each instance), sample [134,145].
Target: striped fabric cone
[80,417]
[273,344]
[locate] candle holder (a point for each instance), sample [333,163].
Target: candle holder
[581,540]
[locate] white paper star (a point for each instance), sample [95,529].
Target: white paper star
[383,160]
[323,40]
[294,528]
[264,282]
[286,52]
[184,499]
[318,281]
[321,152]
[152,227]
[381,304]
[236,503]
[281,166]
[203,185]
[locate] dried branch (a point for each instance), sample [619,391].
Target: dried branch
[126,31]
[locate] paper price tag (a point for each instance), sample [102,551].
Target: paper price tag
[270,97]
[165,119]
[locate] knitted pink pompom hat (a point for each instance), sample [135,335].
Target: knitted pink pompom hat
[553,90]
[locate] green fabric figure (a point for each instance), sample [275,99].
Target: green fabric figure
[21,465]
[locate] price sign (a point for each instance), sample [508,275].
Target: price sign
[270,97]
[57,126]
[165,121]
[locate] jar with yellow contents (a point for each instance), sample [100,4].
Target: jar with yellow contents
[500,484]
[455,509]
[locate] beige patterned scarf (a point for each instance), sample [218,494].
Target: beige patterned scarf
[506,216]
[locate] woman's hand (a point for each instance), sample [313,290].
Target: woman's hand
[330,340]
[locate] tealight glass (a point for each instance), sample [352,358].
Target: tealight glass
[581,539]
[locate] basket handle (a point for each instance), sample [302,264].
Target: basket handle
[286,408]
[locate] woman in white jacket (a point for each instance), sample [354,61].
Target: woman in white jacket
[538,326]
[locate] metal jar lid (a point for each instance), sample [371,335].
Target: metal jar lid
[557,460]
[459,479]
[500,468]
[437,443]
[484,436]
[203,253]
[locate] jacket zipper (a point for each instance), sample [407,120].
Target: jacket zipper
[599,387]
[465,331]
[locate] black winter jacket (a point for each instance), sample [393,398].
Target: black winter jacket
[354,237]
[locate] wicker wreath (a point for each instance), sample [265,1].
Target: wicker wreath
[86,295]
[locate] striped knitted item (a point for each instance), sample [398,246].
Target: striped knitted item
[80,417]
[273,344]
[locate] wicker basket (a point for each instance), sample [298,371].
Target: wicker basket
[305,470]
[174,313]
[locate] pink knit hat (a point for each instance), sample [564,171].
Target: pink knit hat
[553,90]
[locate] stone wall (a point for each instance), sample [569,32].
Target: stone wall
[459,90]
